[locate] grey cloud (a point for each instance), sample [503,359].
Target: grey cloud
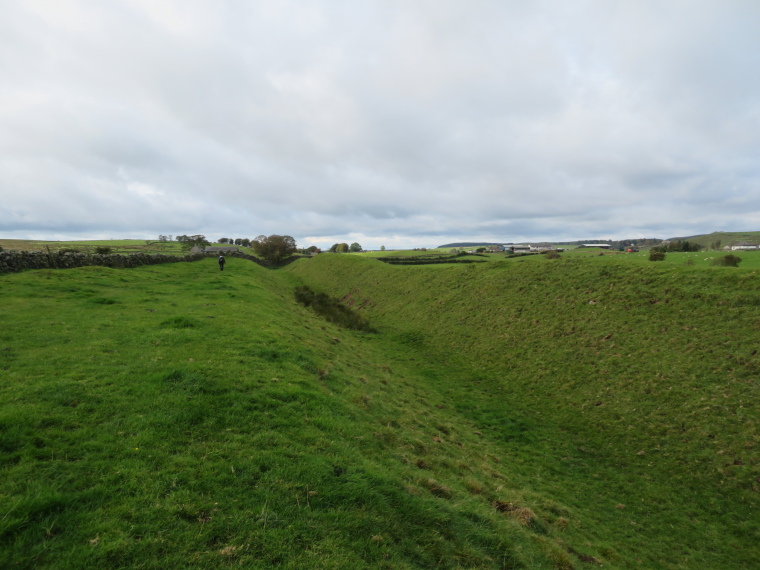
[382,121]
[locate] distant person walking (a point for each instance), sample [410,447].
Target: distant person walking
[221,263]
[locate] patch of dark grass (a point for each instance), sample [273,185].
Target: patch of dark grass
[181,323]
[331,309]
[437,489]
[411,338]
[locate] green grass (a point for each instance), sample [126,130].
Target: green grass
[674,260]
[178,416]
[205,419]
[632,383]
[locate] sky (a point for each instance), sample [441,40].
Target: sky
[403,123]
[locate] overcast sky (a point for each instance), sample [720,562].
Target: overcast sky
[401,123]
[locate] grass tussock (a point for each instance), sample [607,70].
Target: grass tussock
[437,489]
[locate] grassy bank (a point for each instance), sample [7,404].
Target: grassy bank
[183,417]
[633,385]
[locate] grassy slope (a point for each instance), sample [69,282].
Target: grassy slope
[176,416]
[726,238]
[635,384]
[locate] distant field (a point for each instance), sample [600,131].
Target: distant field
[749,259]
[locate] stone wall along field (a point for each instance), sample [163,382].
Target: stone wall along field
[13,261]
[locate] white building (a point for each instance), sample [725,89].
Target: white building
[743,245]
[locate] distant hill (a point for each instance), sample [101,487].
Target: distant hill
[724,238]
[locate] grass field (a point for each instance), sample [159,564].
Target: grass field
[702,258]
[525,413]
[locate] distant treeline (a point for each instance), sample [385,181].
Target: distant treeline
[679,245]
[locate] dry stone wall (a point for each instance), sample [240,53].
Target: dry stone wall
[13,261]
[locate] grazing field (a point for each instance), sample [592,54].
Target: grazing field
[673,260]
[749,259]
[526,413]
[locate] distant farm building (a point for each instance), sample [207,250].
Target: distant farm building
[541,247]
[517,248]
[743,245]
